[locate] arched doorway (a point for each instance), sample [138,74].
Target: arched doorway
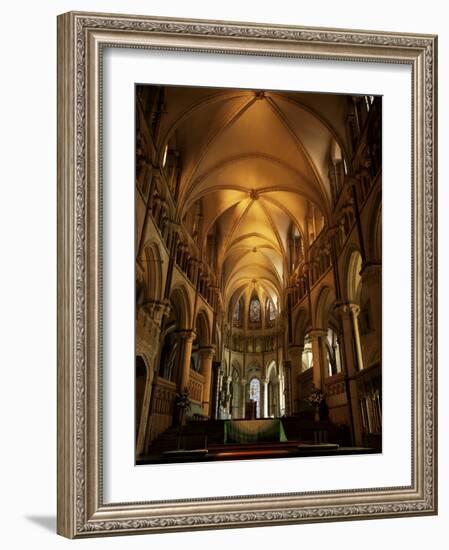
[273,393]
[141,378]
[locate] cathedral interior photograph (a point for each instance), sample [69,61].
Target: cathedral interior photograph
[258,269]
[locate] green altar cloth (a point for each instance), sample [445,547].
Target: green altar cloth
[252,431]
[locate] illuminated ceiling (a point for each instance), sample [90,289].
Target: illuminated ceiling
[258,163]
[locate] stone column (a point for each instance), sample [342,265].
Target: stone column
[265,397]
[243,383]
[350,356]
[149,317]
[187,338]
[215,401]
[236,407]
[206,355]
[221,394]
[315,337]
[349,365]
[280,395]
[372,286]
[228,382]
[142,422]
[324,358]
[295,356]
[287,387]
[355,310]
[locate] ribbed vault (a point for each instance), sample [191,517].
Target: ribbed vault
[255,163]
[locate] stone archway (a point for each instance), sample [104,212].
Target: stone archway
[140,383]
[142,397]
[254,397]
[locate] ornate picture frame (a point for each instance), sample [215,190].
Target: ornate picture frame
[82,511]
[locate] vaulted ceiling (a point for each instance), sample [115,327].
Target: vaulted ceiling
[257,161]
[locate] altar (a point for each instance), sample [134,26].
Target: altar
[254,431]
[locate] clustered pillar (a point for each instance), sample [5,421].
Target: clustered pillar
[316,337]
[206,354]
[243,382]
[295,354]
[187,337]
[265,397]
[348,314]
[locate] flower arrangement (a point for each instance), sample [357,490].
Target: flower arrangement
[316,396]
[182,400]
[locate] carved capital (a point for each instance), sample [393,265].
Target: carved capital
[317,333]
[295,352]
[186,335]
[347,310]
[207,352]
[156,309]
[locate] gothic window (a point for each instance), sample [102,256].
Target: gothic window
[296,249]
[271,311]
[254,310]
[307,355]
[237,313]
[237,316]
[333,353]
[254,394]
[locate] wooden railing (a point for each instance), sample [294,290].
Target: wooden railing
[196,384]
[335,385]
[162,406]
[305,383]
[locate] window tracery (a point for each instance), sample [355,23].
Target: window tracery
[254,310]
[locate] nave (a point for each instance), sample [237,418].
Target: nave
[258,273]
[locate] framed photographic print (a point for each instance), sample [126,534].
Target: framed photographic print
[247,274]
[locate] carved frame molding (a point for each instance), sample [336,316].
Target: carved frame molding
[81,38]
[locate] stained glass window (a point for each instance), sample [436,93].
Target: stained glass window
[254,310]
[271,311]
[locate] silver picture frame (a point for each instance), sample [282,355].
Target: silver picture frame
[81,40]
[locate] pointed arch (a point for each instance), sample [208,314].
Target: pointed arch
[353,278]
[255,309]
[202,328]
[301,326]
[153,270]
[374,233]
[324,305]
[179,299]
